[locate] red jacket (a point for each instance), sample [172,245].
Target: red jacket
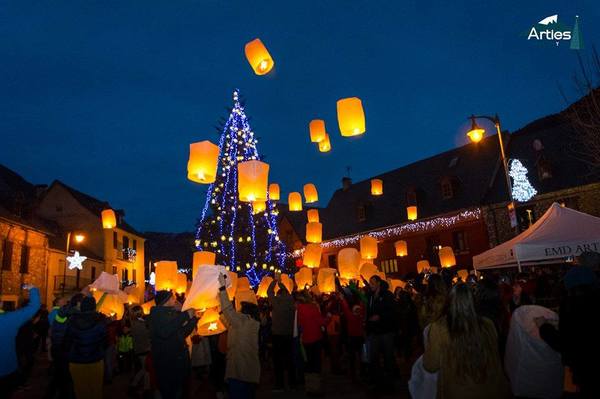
[310,322]
[355,324]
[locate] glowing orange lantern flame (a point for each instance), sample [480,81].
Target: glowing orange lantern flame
[411,212]
[351,117]
[447,258]
[401,248]
[203,162]
[376,187]
[258,56]
[274,192]
[310,193]
[325,144]
[317,130]
[295,201]
[253,177]
[314,232]
[109,219]
[368,247]
[313,215]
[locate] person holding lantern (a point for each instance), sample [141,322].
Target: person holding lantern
[242,371]
[170,355]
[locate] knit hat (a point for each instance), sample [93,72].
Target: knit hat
[162,297]
[579,275]
[88,304]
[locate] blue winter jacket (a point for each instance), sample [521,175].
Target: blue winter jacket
[86,337]
[10,322]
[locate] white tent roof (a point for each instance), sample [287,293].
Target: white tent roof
[559,233]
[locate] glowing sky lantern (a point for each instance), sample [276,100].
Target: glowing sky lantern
[203,162]
[233,277]
[326,280]
[261,291]
[258,57]
[287,282]
[348,261]
[274,193]
[295,201]
[376,187]
[325,144]
[312,215]
[314,232]
[180,283]
[368,247]
[368,270]
[243,284]
[166,275]
[109,219]
[253,177]
[351,117]
[310,193]
[202,258]
[447,258]
[312,255]
[258,207]
[411,212]
[304,278]
[317,130]
[401,248]
[463,274]
[210,323]
[423,265]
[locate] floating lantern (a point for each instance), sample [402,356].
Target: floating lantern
[411,212]
[181,283]
[231,290]
[261,291]
[312,255]
[368,270]
[313,215]
[203,162]
[253,177]
[304,278]
[348,261]
[401,248]
[202,258]
[210,323]
[109,219]
[351,117]
[326,280]
[258,56]
[376,187]
[317,130]
[258,207]
[368,247]
[113,305]
[395,283]
[295,201]
[314,232]
[146,306]
[310,193]
[325,144]
[203,293]
[243,284]
[463,274]
[287,282]
[244,296]
[447,258]
[422,265]
[274,192]
[135,294]
[166,275]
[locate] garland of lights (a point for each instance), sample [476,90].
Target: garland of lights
[229,230]
[522,190]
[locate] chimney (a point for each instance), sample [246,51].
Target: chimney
[346,183]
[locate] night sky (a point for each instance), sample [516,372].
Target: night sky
[107,95]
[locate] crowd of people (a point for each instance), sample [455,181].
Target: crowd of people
[452,333]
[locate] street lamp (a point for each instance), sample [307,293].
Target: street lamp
[79,238]
[476,134]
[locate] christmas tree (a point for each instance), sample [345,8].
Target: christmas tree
[522,190]
[244,240]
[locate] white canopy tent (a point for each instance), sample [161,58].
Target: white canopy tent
[561,232]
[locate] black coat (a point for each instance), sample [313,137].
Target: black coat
[168,331]
[86,337]
[383,305]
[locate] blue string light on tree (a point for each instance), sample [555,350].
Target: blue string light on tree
[522,190]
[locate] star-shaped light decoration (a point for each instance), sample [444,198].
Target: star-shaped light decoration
[75,261]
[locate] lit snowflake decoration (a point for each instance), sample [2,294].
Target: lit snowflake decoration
[75,261]
[152,279]
[522,190]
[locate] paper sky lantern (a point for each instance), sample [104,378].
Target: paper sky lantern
[243,284]
[135,294]
[395,283]
[112,306]
[261,291]
[253,177]
[106,283]
[274,193]
[181,283]
[210,323]
[109,219]
[325,144]
[317,130]
[295,201]
[380,274]
[287,282]
[368,247]
[202,258]
[351,117]
[146,306]
[368,270]
[312,255]
[244,296]
[310,193]
[231,290]
[401,248]
[166,275]
[314,232]
[422,265]
[447,258]
[313,215]
[304,278]
[326,280]
[348,261]
[376,186]
[259,207]
[203,162]
[203,293]
[463,274]
[411,212]
[258,57]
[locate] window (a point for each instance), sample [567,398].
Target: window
[115,240]
[114,270]
[447,191]
[361,213]
[125,242]
[389,266]
[134,275]
[93,273]
[125,274]
[459,240]
[24,266]
[7,250]
[332,260]
[134,245]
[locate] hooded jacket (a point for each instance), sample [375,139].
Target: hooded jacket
[85,337]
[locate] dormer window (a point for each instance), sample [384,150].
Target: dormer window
[361,212]
[448,187]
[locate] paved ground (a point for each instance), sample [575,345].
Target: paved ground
[334,386]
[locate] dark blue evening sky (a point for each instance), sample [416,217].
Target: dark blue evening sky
[107,95]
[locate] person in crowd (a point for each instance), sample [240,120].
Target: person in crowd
[381,327]
[332,313]
[125,350]
[10,323]
[433,301]
[518,297]
[113,329]
[85,340]
[141,346]
[463,347]
[26,346]
[282,315]
[201,358]
[264,331]
[242,371]
[354,318]
[311,325]
[216,374]
[170,355]
[41,328]
[408,323]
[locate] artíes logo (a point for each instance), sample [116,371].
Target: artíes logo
[549,29]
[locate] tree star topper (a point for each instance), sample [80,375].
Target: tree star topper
[75,261]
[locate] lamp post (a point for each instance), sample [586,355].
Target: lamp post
[78,237]
[476,134]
